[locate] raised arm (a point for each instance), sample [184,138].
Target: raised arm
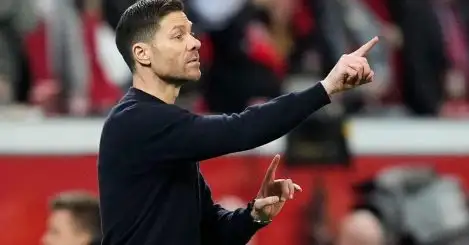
[186,136]
[178,135]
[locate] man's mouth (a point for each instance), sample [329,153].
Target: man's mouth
[193,61]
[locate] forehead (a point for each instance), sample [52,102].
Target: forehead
[174,19]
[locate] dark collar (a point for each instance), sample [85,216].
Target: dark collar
[140,95]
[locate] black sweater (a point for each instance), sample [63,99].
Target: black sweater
[151,189]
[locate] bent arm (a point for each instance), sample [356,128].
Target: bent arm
[221,226]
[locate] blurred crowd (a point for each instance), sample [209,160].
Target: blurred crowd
[59,56]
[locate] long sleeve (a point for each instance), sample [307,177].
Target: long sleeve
[220,226]
[184,136]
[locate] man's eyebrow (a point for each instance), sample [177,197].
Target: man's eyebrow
[182,26]
[178,27]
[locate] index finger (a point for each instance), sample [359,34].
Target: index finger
[270,174]
[365,48]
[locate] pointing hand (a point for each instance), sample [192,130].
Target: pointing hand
[352,70]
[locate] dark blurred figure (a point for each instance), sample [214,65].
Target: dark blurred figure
[74,220]
[243,61]
[17,18]
[436,61]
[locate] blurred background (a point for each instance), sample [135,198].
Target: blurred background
[385,164]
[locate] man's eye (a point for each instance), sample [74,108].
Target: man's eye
[179,36]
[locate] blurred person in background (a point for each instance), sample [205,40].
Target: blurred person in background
[436,64]
[83,73]
[74,220]
[361,227]
[60,45]
[17,18]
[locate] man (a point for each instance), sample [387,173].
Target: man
[151,189]
[74,220]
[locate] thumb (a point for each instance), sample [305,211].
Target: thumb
[260,203]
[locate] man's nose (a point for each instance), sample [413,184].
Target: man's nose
[194,43]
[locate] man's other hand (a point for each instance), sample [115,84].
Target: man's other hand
[352,70]
[273,194]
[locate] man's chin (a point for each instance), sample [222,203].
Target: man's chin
[194,76]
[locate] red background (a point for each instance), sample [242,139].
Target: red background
[27,182]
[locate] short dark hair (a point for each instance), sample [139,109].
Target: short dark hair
[139,23]
[84,208]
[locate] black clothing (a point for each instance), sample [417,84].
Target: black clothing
[151,189]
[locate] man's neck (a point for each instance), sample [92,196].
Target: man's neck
[153,85]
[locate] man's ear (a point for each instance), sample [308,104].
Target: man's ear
[141,53]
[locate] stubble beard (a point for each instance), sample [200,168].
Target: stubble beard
[176,81]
